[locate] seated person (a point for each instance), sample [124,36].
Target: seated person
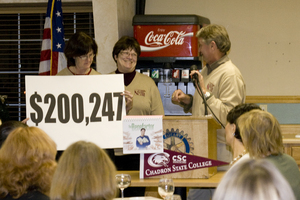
[253,179]
[27,164]
[84,171]
[8,127]
[233,139]
[233,136]
[262,138]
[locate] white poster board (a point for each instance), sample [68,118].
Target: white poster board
[72,108]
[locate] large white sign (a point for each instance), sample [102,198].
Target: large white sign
[72,108]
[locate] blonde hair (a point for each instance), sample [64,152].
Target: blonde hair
[27,162]
[216,33]
[253,179]
[84,171]
[261,133]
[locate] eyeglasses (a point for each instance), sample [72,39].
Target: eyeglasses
[85,57]
[127,54]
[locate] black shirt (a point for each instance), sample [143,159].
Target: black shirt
[32,195]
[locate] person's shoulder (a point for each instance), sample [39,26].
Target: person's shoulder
[143,76]
[33,195]
[63,72]
[282,158]
[288,157]
[229,65]
[228,68]
[94,72]
[40,196]
[146,79]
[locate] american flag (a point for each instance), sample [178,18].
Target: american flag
[53,59]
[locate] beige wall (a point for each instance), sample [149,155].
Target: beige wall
[38,1]
[265,38]
[112,19]
[264,34]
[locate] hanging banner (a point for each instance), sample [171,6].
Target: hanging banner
[171,162]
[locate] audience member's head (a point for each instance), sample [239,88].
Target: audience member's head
[84,171]
[261,134]
[253,179]
[27,162]
[232,129]
[7,127]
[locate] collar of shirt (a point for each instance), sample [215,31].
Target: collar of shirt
[216,64]
[128,77]
[88,73]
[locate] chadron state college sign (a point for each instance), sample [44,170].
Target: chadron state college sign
[172,162]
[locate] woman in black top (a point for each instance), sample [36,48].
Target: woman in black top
[27,164]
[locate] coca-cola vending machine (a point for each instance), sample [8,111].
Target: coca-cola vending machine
[169,48]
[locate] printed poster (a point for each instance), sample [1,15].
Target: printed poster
[142,134]
[73,108]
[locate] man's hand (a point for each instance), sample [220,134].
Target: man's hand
[179,96]
[200,79]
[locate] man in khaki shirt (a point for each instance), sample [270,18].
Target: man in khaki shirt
[222,85]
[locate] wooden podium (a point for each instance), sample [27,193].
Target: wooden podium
[193,135]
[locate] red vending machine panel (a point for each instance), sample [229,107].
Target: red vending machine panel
[167,40]
[168,35]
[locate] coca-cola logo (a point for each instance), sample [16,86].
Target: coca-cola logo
[159,41]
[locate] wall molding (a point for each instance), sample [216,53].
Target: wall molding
[272,99]
[290,128]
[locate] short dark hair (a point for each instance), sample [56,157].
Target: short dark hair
[7,127]
[143,129]
[236,112]
[124,43]
[79,44]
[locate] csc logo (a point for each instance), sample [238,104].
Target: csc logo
[179,158]
[159,159]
